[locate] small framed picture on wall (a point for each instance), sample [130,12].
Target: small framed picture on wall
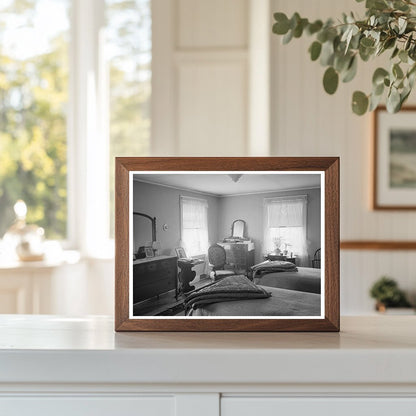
[394,150]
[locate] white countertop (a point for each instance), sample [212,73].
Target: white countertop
[373,349]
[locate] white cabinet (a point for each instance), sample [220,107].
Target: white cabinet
[80,366]
[87,406]
[271,406]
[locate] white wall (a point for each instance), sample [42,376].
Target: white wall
[201,80]
[308,122]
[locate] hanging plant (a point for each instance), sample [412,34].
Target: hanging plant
[389,27]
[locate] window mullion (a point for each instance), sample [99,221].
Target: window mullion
[88,138]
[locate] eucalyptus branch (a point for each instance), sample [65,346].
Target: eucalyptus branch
[388,25]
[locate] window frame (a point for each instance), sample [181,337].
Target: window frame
[205,201]
[267,201]
[87,130]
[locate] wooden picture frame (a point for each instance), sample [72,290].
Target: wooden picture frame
[394,158]
[326,167]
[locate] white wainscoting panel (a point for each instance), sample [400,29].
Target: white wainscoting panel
[201,79]
[212,108]
[308,122]
[212,24]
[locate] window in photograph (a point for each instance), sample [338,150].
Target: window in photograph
[129,57]
[33,107]
[194,234]
[286,225]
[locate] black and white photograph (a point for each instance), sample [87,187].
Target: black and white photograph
[226,244]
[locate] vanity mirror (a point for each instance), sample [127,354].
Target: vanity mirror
[238,229]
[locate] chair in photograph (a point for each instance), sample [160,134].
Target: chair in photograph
[217,262]
[316,262]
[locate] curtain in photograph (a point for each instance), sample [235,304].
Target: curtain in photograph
[286,226]
[194,222]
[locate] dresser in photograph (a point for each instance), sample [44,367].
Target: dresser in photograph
[241,254]
[154,276]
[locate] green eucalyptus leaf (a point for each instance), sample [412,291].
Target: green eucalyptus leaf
[376,4]
[400,5]
[294,20]
[393,101]
[330,80]
[314,27]
[408,42]
[378,89]
[379,75]
[288,37]
[359,103]
[281,27]
[389,43]
[402,22]
[404,96]
[395,52]
[355,41]
[322,36]
[341,62]
[315,50]
[298,30]
[327,54]
[403,56]
[367,42]
[374,102]
[366,53]
[397,71]
[351,71]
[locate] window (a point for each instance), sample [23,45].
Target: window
[129,57]
[194,225]
[33,112]
[75,88]
[285,220]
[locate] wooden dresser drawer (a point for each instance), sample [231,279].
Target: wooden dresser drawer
[154,277]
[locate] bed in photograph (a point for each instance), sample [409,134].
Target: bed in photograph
[304,279]
[279,302]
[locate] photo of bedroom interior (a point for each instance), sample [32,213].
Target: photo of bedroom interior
[226,244]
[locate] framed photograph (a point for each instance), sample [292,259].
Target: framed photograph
[148,251]
[288,206]
[180,253]
[394,179]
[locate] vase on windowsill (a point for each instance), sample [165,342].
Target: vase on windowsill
[26,241]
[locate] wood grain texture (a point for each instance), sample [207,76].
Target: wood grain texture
[330,165]
[376,204]
[378,245]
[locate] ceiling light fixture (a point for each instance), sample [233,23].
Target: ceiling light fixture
[235,177]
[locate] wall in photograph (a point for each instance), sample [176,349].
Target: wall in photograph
[250,209]
[308,122]
[163,203]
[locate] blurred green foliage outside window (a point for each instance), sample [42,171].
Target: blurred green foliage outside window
[34,91]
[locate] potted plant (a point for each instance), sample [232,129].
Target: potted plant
[387,294]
